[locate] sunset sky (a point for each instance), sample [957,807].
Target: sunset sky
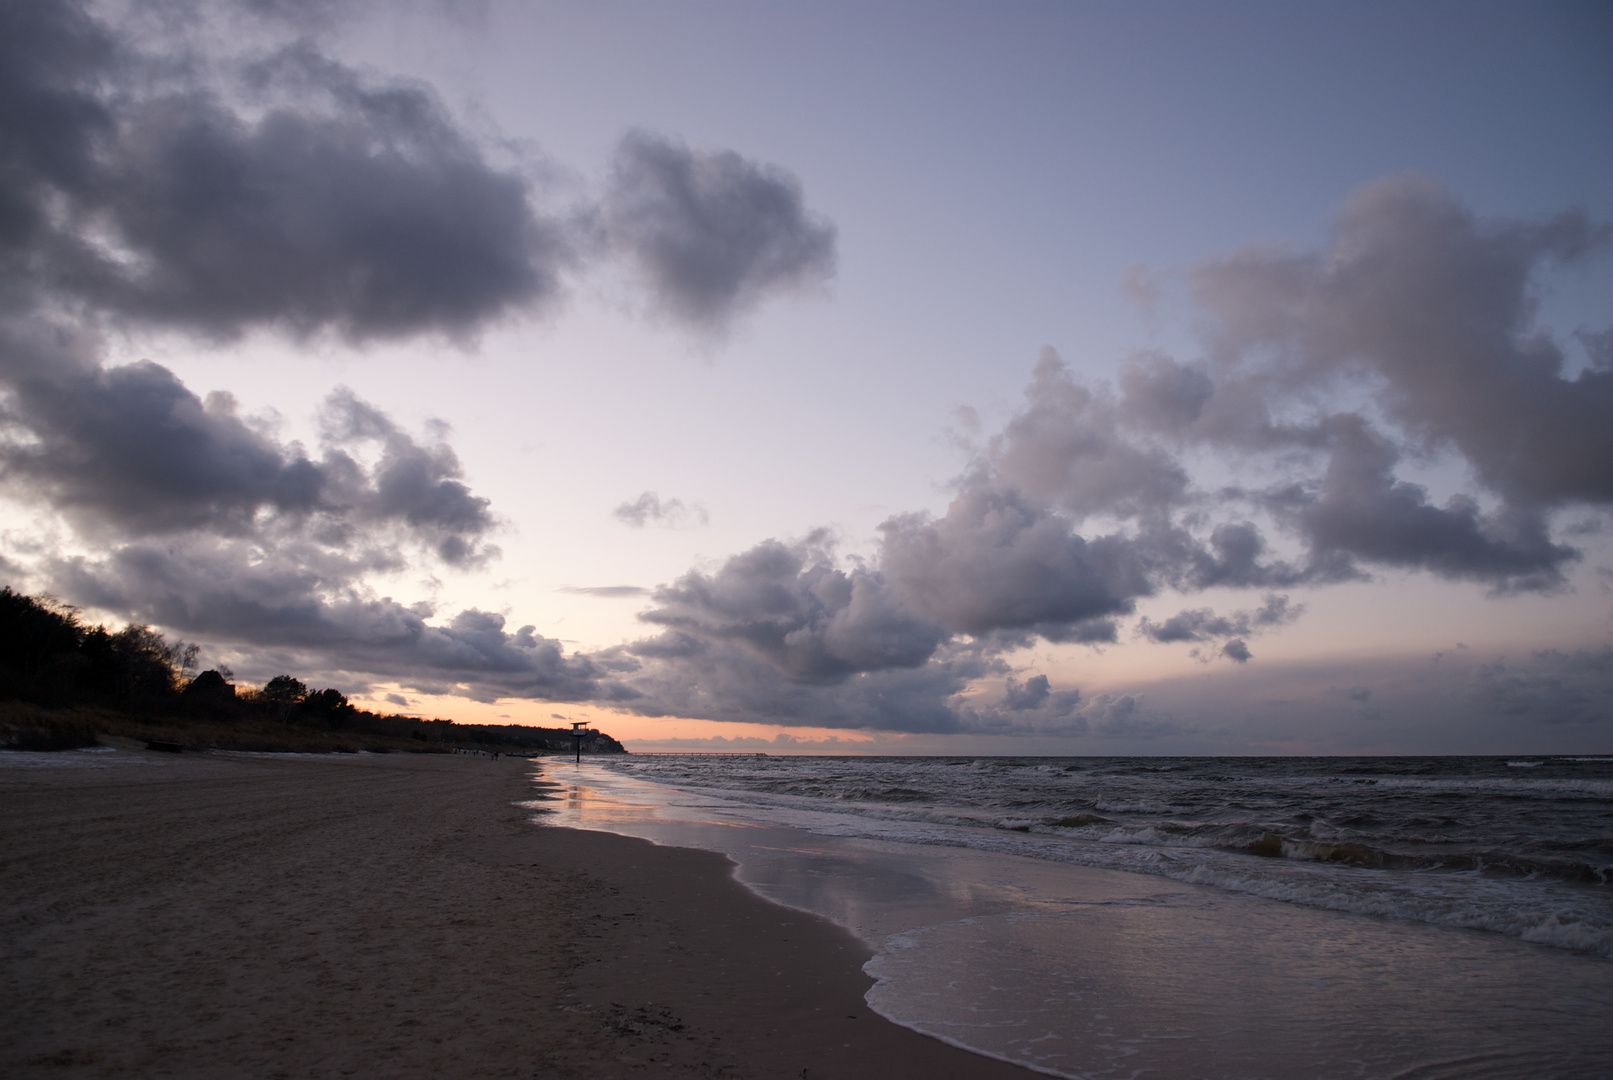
[924,378]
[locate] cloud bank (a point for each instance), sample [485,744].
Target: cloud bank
[1385,402]
[1411,336]
[150,181]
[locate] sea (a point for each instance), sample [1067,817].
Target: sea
[1431,917]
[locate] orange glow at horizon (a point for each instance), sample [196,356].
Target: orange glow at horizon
[624,727]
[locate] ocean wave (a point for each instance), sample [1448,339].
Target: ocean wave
[1535,895]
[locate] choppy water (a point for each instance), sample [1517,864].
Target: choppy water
[1093,917]
[1520,846]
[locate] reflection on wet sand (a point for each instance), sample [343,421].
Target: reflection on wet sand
[1090,972]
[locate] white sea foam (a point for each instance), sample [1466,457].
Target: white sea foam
[1216,964]
[1325,864]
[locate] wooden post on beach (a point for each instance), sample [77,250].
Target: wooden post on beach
[579,728]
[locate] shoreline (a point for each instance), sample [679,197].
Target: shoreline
[1084,970]
[399,915]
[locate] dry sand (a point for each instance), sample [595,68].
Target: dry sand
[221,915]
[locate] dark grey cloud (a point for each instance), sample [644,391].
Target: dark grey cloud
[1435,311]
[1358,509]
[1203,624]
[1415,304]
[1548,701]
[651,508]
[330,204]
[51,119]
[789,607]
[1031,707]
[214,528]
[1361,696]
[146,175]
[1034,693]
[1236,555]
[682,674]
[781,634]
[996,560]
[131,451]
[133,448]
[712,234]
[308,603]
[417,486]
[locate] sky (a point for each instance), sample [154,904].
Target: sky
[953,378]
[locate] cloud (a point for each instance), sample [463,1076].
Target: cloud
[150,179]
[1203,624]
[712,233]
[134,449]
[1129,716]
[780,633]
[996,560]
[308,604]
[130,451]
[650,507]
[1360,510]
[1429,313]
[149,183]
[1066,448]
[610,592]
[686,675]
[1550,687]
[303,197]
[1162,394]
[787,606]
[1237,650]
[149,176]
[1031,707]
[1435,311]
[412,484]
[1410,336]
[783,741]
[213,529]
[1543,701]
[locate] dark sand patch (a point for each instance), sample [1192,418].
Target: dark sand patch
[228,915]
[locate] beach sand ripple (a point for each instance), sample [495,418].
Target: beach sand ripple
[287,916]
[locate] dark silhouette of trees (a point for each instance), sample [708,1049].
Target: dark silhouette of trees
[329,707]
[210,685]
[283,689]
[49,658]
[39,642]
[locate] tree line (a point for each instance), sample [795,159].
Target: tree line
[50,658]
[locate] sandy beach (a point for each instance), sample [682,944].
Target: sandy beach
[319,916]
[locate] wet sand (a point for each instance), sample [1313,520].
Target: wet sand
[274,916]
